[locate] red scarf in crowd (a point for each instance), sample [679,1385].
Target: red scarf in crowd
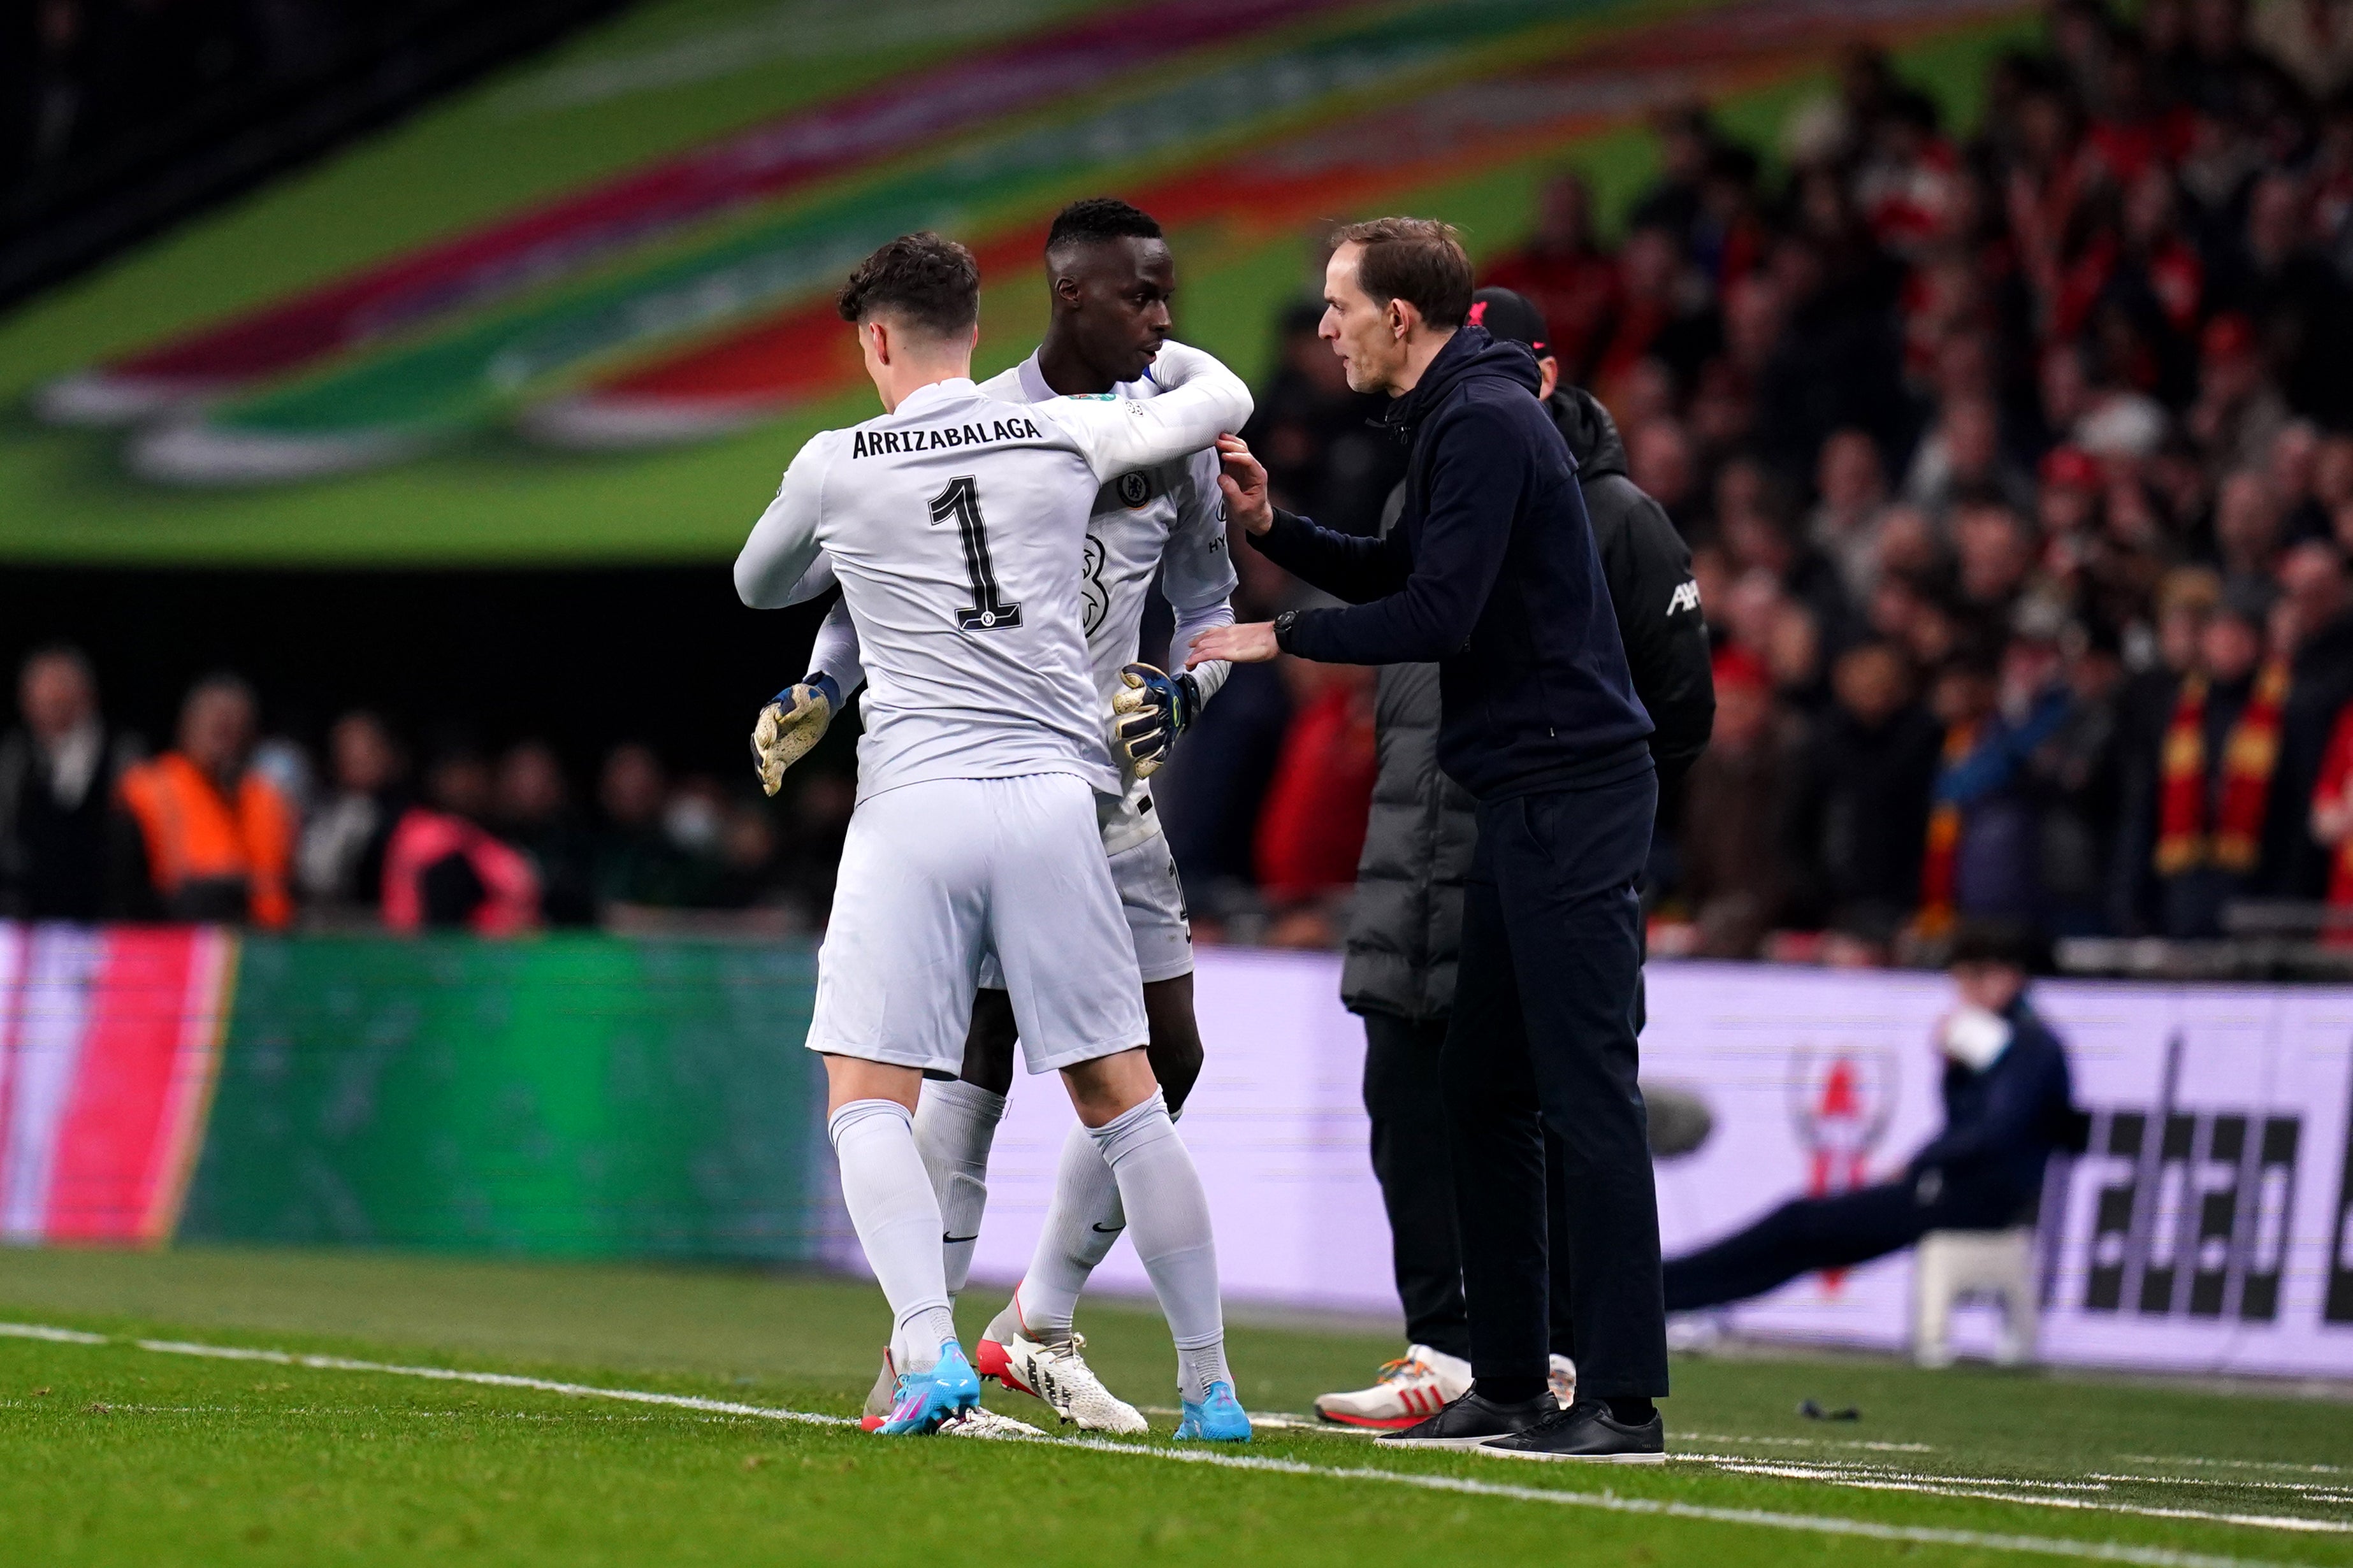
[1944,839]
[2233,841]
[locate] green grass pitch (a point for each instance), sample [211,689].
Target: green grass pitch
[111,1452]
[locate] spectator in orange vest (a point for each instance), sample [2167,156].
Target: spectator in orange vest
[214,840]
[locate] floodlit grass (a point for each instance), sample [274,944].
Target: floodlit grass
[115,1453]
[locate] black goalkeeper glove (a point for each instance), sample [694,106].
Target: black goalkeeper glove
[1151,709]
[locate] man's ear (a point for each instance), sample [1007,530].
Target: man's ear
[1403,319]
[881,337]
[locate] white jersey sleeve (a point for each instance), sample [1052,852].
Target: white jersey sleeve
[1196,570]
[834,652]
[784,542]
[1201,401]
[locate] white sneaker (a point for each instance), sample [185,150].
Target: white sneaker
[1412,1388]
[1563,1379]
[1060,1375]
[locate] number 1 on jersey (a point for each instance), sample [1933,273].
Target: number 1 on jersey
[988,610]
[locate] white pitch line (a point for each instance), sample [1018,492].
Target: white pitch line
[1608,1502]
[489,1378]
[1988,1488]
[42,1332]
[2094,1481]
[2232,1464]
[1808,1442]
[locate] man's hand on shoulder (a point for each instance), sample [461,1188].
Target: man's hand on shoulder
[791,724]
[1253,644]
[1243,482]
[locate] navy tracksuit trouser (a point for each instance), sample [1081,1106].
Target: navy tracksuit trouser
[1543,1040]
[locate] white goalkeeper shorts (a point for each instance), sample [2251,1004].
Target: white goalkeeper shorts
[935,875]
[1153,900]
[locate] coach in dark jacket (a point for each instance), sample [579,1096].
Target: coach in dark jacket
[1406,926]
[1491,572]
[2007,1109]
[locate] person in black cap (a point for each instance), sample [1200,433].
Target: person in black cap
[1405,927]
[2008,1107]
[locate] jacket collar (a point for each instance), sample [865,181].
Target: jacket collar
[1469,352]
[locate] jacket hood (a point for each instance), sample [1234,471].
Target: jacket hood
[1592,434]
[1469,353]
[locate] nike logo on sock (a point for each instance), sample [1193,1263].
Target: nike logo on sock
[952,1240]
[1106,1229]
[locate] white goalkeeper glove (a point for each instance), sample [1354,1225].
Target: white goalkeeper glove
[1150,709]
[790,724]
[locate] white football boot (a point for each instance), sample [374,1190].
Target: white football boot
[1563,1379]
[1059,1374]
[1410,1390]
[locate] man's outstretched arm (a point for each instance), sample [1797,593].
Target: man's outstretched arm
[1202,400]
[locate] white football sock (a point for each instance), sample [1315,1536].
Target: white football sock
[955,1124]
[1168,1220]
[1082,1225]
[892,1206]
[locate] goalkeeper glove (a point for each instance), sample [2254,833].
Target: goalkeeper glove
[790,724]
[1149,711]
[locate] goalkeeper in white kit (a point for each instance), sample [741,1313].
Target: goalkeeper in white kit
[956,525]
[1111,278]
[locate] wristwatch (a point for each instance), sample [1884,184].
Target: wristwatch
[1283,625]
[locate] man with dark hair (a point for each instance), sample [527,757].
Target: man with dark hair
[956,526]
[929,286]
[1110,279]
[1405,929]
[1491,572]
[2007,1109]
[58,772]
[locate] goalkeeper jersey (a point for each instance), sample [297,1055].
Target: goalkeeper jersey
[956,525]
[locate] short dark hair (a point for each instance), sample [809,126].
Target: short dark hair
[1097,218]
[1417,260]
[2008,943]
[933,285]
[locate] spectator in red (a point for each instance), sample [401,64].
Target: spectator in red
[1566,274]
[2332,826]
[1311,829]
[1906,181]
[2208,788]
[2238,412]
[1663,312]
[444,871]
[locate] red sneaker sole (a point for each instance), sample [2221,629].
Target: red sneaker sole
[990,1361]
[1384,1422]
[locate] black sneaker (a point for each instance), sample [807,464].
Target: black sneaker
[1586,1430]
[1471,1421]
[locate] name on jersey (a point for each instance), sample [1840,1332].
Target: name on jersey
[947,437]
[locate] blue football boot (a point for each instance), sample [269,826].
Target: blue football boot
[928,1398]
[1218,1418]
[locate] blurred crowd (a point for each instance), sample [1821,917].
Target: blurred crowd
[2018,470]
[230,823]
